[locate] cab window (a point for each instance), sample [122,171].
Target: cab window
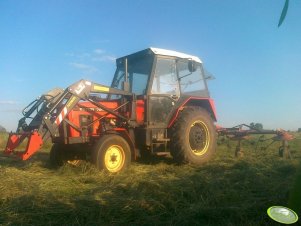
[165,77]
[191,82]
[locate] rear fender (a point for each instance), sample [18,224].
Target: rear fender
[206,103]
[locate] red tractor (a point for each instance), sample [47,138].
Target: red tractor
[158,102]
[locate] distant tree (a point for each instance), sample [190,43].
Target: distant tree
[258,126]
[299,130]
[2,129]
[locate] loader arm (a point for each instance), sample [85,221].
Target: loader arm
[43,116]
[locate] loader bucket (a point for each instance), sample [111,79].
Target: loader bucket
[34,142]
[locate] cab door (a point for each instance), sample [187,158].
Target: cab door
[164,92]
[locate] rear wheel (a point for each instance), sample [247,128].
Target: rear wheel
[112,153]
[193,136]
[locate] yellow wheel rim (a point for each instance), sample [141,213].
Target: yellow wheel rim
[114,158]
[199,138]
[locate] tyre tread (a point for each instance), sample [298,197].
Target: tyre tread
[178,145]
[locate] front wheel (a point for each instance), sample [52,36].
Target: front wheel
[193,136]
[112,153]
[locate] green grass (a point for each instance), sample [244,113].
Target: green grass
[225,191]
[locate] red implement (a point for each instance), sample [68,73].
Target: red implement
[34,142]
[283,135]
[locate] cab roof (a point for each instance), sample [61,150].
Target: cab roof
[162,52]
[166,52]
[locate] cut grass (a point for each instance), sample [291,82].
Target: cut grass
[225,191]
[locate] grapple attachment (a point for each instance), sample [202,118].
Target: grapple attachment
[33,139]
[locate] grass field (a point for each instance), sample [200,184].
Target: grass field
[225,191]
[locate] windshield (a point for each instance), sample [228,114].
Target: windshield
[139,69]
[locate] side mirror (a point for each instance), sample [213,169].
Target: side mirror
[191,66]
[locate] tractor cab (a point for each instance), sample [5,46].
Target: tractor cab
[164,78]
[158,71]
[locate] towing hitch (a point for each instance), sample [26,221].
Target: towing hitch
[34,142]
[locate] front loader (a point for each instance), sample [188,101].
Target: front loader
[158,102]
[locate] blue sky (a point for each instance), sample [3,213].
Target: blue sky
[47,44]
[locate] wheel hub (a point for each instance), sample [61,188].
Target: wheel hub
[114,158]
[199,138]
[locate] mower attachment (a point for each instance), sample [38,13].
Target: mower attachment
[34,142]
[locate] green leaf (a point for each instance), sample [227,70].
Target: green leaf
[283,14]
